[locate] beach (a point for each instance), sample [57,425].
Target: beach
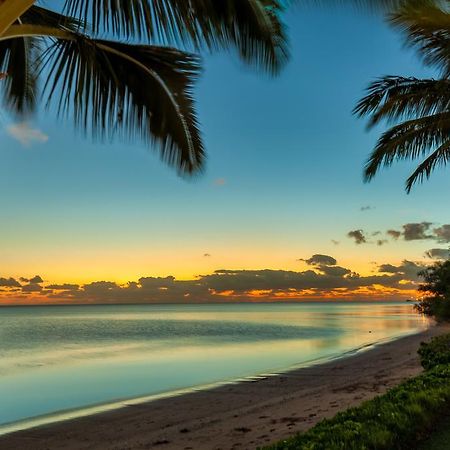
[243,415]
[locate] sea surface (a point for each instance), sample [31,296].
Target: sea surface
[66,358]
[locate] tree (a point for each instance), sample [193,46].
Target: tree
[422,106]
[114,88]
[436,289]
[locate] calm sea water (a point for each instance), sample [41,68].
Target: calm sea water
[63,358]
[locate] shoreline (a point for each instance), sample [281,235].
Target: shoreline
[246,416]
[92,410]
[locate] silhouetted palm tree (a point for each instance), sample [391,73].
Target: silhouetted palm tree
[420,108]
[130,90]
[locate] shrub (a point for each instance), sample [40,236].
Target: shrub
[436,303]
[394,420]
[435,352]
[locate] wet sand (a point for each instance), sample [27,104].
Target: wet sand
[237,416]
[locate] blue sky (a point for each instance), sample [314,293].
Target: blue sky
[283,178]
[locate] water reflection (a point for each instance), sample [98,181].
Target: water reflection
[68,357]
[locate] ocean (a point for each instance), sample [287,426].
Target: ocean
[57,361]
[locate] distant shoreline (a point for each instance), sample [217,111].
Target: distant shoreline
[265,410]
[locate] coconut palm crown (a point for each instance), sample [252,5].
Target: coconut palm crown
[418,109]
[137,84]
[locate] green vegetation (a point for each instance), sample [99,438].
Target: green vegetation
[435,352]
[440,438]
[395,420]
[436,302]
[419,108]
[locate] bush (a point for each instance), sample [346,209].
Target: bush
[436,302]
[435,352]
[437,307]
[394,420]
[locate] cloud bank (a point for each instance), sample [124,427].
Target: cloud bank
[325,279]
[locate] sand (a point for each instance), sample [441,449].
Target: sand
[237,416]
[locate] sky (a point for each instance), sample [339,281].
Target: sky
[84,221]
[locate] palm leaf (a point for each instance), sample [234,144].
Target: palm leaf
[19,84]
[18,60]
[439,157]
[396,98]
[426,24]
[408,140]
[128,91]
[253,27]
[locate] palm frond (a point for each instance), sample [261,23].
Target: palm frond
[128,91]
[439,157]
[426,24]
[18,60]
[408,140]
[19,85]
[253,27]
[37,15]
[395,98]
[375,6]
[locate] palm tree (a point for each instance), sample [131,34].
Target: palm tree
[418,108]
[139,90]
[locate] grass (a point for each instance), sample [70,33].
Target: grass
[440,438]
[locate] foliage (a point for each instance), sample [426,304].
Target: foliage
[435,352]
[124,87]
[419,109]
[436,302]
[394,420]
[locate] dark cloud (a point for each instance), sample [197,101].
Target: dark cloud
[9,282]
[381,242]
[408,269]
[35,279]
[335,242]
[442,234]
[416,231]
[366,208]
[320,260]
[63,287]
[438,253]
[358,236]
[324,278]
[334,271]
[421,231]
[32,287]
[394,234]
[206,255]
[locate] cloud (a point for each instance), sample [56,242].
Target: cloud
[366,208]
[409,269]
[63,287]
[25,134]
[324,279]
[335,242]
[220,182]
[419,231]
[442,234]
[35,279]
[207,255]
[9,282]
[381,242]
[394,234]
[358,236]
[416,231]
[438,253]
[320,260]
[32,287]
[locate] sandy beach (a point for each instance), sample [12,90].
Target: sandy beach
[244,415]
